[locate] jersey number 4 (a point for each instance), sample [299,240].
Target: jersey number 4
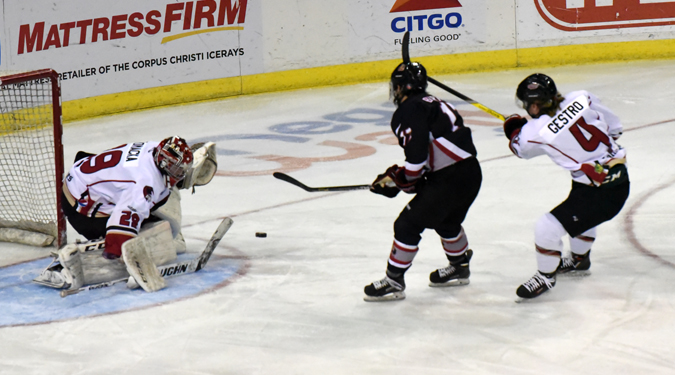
[592,143]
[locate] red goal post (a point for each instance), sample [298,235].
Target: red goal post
[31,159]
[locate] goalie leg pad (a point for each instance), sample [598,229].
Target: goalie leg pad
[139,264]
[172,213]
[153,246]
[98,269]
[160,242]
[72,271]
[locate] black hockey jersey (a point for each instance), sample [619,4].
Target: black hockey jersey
[432,134]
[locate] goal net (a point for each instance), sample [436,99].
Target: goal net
[31,159]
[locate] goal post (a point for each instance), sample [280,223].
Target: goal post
[31,159]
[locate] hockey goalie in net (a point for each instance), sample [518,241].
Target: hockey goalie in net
[119,195]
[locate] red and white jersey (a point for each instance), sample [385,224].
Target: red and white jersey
[581,133]
[122,182]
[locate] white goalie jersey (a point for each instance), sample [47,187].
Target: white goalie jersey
[122,182]
[579,137]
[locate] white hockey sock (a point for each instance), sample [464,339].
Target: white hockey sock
[548,234]
[582,243]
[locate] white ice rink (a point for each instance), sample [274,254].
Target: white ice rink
[296,306]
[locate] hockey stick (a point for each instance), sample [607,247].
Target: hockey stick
[291,180]
[174,269]
[406,58]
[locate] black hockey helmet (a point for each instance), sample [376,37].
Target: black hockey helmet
[410,77]
[538,88]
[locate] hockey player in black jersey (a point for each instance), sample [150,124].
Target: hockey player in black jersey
[442,171]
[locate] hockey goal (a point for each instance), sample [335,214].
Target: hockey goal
[31,159]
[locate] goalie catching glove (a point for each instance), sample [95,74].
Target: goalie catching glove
[392,181]
[203,167]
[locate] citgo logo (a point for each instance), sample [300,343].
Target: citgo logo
[422,21]
[578,15]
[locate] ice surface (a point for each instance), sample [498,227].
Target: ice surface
[298,307]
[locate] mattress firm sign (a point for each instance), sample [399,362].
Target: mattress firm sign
[128,45]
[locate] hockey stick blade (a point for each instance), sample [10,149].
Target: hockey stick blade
[406,59]
[173,269]
[291,180]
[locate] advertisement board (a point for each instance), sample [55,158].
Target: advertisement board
[203,49]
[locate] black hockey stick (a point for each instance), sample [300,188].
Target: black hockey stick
[174,269]
[291,180]
[406,58]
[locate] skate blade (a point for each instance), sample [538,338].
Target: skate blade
[573,274]
[51,285]
[531,300]
[455,282]
[389,297]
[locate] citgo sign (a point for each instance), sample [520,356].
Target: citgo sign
[420,22]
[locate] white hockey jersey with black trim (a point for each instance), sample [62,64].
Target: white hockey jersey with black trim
[122,182]
[580,134]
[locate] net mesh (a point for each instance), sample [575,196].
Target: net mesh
[27,157]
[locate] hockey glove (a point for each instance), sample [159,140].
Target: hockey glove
[384,185]
[397,174]
[512,125]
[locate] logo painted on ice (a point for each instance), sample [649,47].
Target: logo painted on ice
[418,22]
[580,15]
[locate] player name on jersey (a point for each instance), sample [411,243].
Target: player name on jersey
[565,118]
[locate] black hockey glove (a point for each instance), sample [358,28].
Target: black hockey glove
[512,124]
[397,174]
[384,185]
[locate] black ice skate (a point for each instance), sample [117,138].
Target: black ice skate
[386,289]
[538,284]
[576,265]
[452,275]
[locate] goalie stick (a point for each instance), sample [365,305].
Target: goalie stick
[174,269]
[406,59]
[291,180]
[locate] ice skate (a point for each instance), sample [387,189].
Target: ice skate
[537,285]
[575,265]
[51,276]
[386,289]
[65,272]
[452,275]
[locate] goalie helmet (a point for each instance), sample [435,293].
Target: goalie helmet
[173,158]
[536,88]
[409,77]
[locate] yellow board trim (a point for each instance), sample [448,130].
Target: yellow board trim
[364,72]
[195,32]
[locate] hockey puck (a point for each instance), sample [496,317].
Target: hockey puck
[261,234]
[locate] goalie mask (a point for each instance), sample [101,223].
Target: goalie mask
[407,78]
[173,157]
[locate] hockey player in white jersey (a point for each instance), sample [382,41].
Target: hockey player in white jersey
[579,134]
[113,195]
